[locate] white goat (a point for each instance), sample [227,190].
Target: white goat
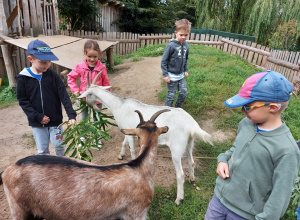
[52,187]
[183,129]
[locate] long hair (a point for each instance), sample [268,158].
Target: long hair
[92,44]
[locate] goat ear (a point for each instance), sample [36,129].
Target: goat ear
[129,131]
[164,129]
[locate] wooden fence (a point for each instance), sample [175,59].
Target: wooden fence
[284,62]
[128,42]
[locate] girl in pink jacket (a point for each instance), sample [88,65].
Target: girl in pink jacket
[91,66]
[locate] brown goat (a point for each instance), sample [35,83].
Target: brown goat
[60,188]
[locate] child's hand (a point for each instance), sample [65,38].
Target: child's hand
[223,170]
[72,121]
[77,94]
[186,74]
[167,79]
[45,120]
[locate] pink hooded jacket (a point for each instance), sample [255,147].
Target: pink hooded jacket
[81,70]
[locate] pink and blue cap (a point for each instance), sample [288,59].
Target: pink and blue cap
[266,86]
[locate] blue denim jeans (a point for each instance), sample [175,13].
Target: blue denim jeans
[43,135]
[217,211]
[173,86]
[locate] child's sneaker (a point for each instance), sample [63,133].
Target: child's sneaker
[82,139]
[99,143]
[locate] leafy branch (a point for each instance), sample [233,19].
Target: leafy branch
[93,128]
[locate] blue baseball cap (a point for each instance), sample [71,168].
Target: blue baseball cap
[40,50]
[266,86]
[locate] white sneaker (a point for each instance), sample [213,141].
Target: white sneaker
[99,144]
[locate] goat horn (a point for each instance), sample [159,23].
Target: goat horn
[96,78]
[152,119]
[141,116]
[87,78]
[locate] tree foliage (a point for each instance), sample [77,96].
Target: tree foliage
[286,36]
[250,17]
[152,16]
[80,14]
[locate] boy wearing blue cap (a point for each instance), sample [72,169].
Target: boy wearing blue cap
[257,174]
[40,93]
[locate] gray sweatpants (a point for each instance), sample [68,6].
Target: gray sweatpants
[173,86]
[43,135]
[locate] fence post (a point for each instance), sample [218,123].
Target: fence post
[110,56]
[225,45]
[234,48]
[143,42]
[250,55]
[7,56]
[26,18]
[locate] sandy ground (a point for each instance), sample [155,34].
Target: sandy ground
[139,80]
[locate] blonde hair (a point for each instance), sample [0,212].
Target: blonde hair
[183,25]
[92,45]
[285,105]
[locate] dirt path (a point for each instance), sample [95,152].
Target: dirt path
[139,80]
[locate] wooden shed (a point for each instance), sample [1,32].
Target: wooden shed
[110,11]
[41,16]
[32,18]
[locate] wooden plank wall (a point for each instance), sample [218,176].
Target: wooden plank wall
[109,13]
[33,18]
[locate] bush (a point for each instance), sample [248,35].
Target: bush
[286,37]
[8,94]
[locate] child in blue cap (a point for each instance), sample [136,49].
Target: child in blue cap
[40,93]
[257,174]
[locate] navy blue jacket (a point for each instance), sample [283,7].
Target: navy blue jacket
[43,97]
[174,59]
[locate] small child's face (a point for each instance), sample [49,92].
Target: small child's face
[92,57]
[181,35]
[258,111]
[39,65]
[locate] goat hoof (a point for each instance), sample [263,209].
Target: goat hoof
[120,157]
[178,201]
[192,181]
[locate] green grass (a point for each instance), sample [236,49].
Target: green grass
[149,51]
[214,76]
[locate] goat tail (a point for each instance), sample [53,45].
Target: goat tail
[204,136]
